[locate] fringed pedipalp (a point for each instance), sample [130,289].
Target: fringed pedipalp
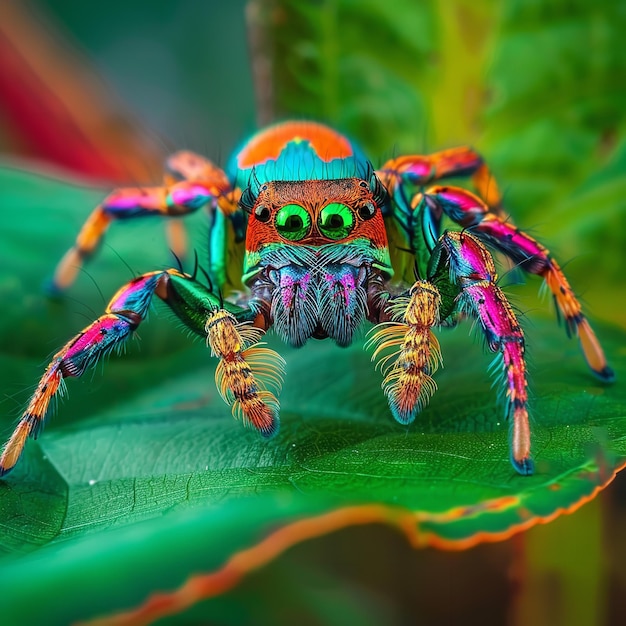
[415,354]
[248,374]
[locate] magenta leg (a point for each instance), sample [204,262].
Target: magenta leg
[471,212]
[472,265]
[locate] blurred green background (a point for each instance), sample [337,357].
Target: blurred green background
[538,87]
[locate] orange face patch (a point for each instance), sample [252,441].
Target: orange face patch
[314,197]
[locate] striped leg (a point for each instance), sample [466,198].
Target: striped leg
[471,212]
[190,183]
[471,264]
[123,315]
[193,304]
[419,170]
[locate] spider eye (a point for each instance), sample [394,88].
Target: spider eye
[262,213]
[367,211]
[292,222]
[336,220]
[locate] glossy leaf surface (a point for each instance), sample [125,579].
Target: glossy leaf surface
[144,477]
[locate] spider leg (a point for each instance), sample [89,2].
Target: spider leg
[190,182]
[471,212]
[419,170]
[462,259]
[408,351]
[243,375]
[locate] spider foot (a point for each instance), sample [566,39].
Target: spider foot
[520,438]
[593,352]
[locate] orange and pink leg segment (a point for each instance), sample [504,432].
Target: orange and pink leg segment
[123,315]
[243,365]
[471,212]
[420,170]
[472,265]
[191,182]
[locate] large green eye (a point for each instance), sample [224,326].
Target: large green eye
[336,220]
[293,222]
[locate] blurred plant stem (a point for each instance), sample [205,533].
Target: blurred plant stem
[469,30]
[561,571]
[258,20]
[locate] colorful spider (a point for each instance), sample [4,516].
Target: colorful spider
[309,219]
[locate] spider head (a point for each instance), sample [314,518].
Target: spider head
[312,248]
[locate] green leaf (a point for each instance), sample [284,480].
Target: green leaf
[145,478]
